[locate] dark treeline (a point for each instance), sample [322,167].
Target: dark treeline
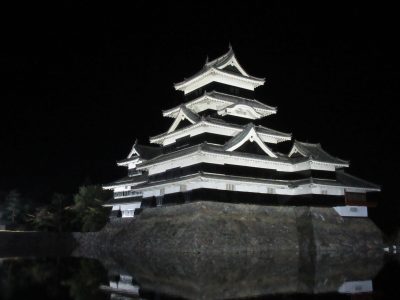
[82,211]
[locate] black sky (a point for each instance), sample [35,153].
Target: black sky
[81,81]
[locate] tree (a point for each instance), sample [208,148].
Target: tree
[58,205]
[43,219]
[16,208]
[53,217]
[89,214]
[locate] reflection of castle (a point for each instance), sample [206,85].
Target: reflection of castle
[214,151]
[123,287]
[356,287]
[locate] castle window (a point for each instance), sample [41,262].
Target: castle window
[271,191]
[129,213]
[159,200]
[230,187]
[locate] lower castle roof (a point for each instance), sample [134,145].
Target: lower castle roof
[205,121]
[343,180]
[219,149]
[316,152]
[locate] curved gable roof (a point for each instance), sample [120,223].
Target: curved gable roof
[228,59]
[184,113]
[219,66]
[315,152]
[247,134]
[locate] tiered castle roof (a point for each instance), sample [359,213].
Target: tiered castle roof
[223,104]
[224,69]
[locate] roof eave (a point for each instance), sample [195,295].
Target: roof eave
[111,186]
[124,162]
[336,164]
[183,84]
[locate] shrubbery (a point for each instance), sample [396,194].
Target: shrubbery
[80,212]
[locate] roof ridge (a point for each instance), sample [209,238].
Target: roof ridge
[240,74]
[273,130]
[307,143]
[220,58]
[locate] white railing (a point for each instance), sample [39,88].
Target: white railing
[126,194]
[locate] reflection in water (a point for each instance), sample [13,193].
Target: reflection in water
[122,287]
[356,287]
[51,278]
[190,276]
[125,287]
[239,276]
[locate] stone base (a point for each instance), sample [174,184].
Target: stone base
[213,227]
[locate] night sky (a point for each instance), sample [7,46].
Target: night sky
[80,82]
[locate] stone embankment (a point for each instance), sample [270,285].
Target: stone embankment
[210,227]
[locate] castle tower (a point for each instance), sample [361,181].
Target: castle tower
[214,151]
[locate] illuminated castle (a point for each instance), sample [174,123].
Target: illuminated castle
[214,151]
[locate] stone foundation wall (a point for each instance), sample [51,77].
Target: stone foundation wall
[333,233]
[207,227]
[216,227]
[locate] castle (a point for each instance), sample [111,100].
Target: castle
[215,151]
